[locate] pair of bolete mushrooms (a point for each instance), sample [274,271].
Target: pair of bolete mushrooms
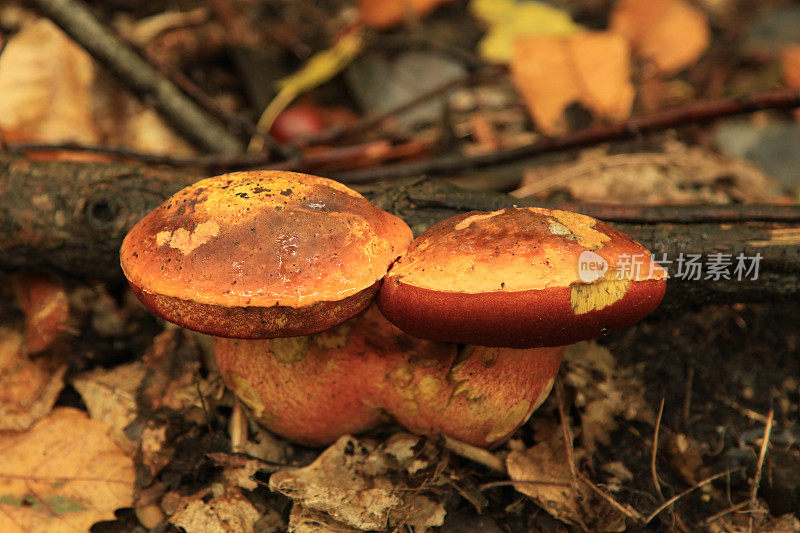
[282,268]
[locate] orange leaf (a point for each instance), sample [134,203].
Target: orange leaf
[592,68]
[673,33]
[384,14]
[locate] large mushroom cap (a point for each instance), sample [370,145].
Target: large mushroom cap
[511,278]
[262,254]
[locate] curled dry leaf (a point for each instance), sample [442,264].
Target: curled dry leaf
[238,470]
[28,388]
[384,14]
[110,396]
[64,474]
[591,68]
[224,512]
[545,475]
[46,309]
[361,485]
[45,87]
[673,33]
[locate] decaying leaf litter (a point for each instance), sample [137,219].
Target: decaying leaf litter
[113,421]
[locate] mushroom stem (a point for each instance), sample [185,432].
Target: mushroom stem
[317,388]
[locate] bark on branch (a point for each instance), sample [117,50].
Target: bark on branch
[70,218]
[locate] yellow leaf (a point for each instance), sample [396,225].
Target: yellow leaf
[592,68]
[508,20]
[63,475]
[318,69]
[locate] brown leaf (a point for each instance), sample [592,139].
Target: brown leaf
[360,485]
[46,309]
[604,392]
[110,396]
[225,512]
[64,474]
[238,470]
[45,87]
[679,175]
[790,61]
[549,482]
[28,388]
[592,68]
[673,33]
[384,14]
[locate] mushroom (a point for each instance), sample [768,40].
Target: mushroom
[511,279]
[261,255]
[268,255]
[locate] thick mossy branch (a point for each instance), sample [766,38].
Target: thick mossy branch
[70,218]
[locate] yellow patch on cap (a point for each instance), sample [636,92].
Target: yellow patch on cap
[545,392]
[474,218]
[186,241]
[509,421]
[578,227]
[585,297]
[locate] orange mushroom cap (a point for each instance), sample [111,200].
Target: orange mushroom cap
[511,278]
[262,254]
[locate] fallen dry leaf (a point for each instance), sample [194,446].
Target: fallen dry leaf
[46,307]
[604,392]
[45,87]
[28,387]
[549,482]
[679,175]
[110,396]
[790,61]
[302,520]
[238,470]
[592,68]
[384,14]
[360,485]
[64,474]
[224,512]
[673,33]
[509,20]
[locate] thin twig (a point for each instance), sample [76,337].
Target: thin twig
[654,454]
[567,433]
[473,453]
[373,121]
[729,510]
[77,21]
[509,483]
[232,120]
[677,497]
[757,477]
[694,113]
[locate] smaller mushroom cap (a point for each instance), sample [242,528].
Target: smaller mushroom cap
[262,254]
[521,278]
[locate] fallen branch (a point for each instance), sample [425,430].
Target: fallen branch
[694,113]
[75,18]
[70,218]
